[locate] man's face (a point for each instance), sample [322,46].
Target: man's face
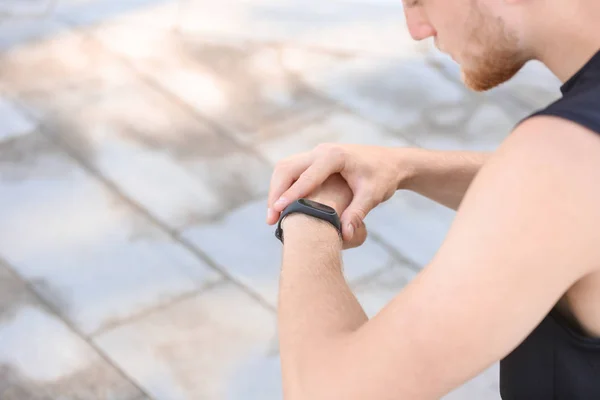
[473,34]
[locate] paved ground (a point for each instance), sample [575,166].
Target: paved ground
[137,140]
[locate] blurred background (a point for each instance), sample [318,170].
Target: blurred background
[137,140]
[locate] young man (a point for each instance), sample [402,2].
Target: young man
[518,276]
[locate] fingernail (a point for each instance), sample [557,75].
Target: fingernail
[269,213]
[351,230]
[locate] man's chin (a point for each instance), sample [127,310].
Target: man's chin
[490,74]
[481,82]
[470,83]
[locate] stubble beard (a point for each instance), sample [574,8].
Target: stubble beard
[492,56]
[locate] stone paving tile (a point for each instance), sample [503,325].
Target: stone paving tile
[412,98]
[15,31]
[14,8]
[465,122]
[336,127]
[483,387]
[214,346]
[375,293]
[378,290]
[476,126]
[532,88]
[85,251]
[40,358]
[219,345]
[368,27]
[73,66]
[241,86]
[13,122]
[244,245]
[348,26]
[178,168]
[80,13]
[393,92]
[157,152]
[414,225]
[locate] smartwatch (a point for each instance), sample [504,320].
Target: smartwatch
[312,208]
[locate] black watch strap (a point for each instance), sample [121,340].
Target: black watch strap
[312,208]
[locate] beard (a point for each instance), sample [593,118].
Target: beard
[493,55]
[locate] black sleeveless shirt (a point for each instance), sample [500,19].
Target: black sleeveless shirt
[557,361]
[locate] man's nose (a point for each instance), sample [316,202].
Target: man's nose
[418,26]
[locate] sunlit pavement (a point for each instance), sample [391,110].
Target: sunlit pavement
[137,139]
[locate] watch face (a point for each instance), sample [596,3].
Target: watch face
[317,206]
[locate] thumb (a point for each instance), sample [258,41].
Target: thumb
[352,218]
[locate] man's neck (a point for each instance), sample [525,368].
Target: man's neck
[568,41]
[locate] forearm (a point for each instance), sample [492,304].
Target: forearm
[316,306]
[442,176]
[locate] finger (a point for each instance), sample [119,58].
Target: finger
[284,175]
[286,172]
[314,176]
[353,217]
[359,237]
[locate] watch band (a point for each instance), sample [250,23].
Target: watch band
[312,208]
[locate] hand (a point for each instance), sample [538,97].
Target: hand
[336,193]
[372,173]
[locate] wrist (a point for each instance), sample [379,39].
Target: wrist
[298,227]
[411,163]
[328,201]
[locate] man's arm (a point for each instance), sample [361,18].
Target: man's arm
[525,232]
[442,176]
[374,173]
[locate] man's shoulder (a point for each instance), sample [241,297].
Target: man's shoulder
[551,147]
[548,134]
[543,178]
[581,107]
